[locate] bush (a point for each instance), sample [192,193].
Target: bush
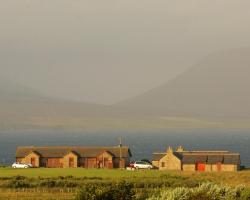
[245,194]
[122,191]
[65,177]
[65,183]
[19,184]
[115,191]
[50,183]
[206,191]
[19,177]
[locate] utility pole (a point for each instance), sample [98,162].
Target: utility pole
[120,147]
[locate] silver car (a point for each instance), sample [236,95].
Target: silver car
[142,165]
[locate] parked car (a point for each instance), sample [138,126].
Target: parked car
[131,165]
[31,166]
[21,165]
[142,165]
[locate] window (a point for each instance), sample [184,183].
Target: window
[163,164]
[71,162]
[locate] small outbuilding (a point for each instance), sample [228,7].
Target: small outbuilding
[196,160]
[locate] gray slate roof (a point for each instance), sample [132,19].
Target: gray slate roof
[61,151]
[158,156]
[215,159]
[203,157]
[189,159]
[228,159]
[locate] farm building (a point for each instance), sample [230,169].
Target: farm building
[72,157]
[196,160]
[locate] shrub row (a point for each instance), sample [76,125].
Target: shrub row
[115,191]
[45,183]
[125,191]
[73,182]
[206,191]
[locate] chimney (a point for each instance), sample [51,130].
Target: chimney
[180,149]
[169,150]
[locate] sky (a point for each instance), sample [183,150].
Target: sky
[107,51]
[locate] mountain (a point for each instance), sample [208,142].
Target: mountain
[22,101]
[23,107]
[212,94]
[217,87]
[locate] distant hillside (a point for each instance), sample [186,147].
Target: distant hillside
[20,100]
[22,107]
[212,94]
[217,87]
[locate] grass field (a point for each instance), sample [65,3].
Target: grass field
[77,172]
[25,183]
[231,178]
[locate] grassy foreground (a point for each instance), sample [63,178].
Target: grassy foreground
[230,178]
[42,183]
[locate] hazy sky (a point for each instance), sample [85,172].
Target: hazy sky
[107,50]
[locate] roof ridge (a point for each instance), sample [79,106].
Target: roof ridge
[225,154]
[60,151]
[72,147]
[159,153]
[208,151]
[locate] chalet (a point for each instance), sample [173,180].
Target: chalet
[196,160]
[73,157]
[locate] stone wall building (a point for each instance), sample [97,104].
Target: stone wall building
[196,160]
[73,157]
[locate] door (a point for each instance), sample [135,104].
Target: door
[110,165]
[145,165]
[218,167]
[200,167]
[106,163]
[91,163]
[53,163]
[71,162]
[33,162]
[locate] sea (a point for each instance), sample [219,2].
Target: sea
[142,144]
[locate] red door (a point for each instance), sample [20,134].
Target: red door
[219,167]
[200,167]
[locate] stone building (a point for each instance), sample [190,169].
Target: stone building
[196,160]
[73,157]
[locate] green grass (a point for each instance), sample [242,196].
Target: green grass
[230,178]
[79,172]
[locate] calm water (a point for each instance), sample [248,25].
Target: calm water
[142,144]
